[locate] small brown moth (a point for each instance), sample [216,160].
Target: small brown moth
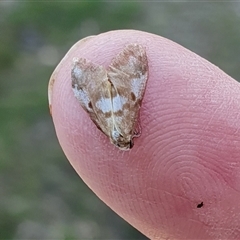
[112,97]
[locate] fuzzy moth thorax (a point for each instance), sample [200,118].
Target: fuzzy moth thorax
[120,141]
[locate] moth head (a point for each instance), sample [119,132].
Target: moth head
[122,142]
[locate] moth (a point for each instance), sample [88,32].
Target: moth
[112,96]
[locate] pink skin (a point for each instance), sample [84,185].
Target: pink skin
[189,150]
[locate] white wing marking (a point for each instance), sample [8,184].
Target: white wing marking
[104,104]
[118,102]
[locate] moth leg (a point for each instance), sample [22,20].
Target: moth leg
[137,130]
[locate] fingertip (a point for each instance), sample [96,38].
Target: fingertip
[184,97]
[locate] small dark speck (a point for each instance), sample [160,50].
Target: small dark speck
[90,105]
[200,205]
[133,96]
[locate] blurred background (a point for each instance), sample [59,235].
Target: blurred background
[41,196]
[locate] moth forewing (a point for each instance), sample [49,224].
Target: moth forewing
[113,97]
[92,89]
[128,73]
[83,73]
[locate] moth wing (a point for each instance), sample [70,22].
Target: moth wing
[92,89]
[128,73]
